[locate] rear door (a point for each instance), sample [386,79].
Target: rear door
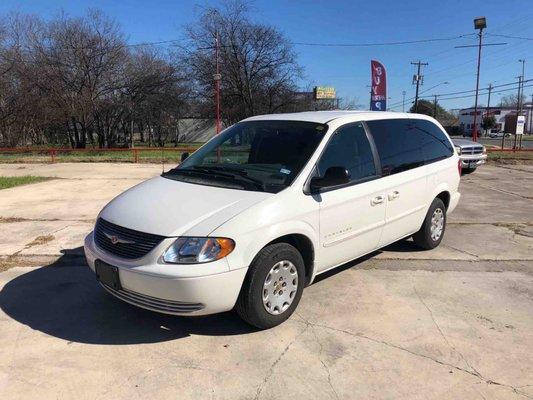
[351,215]
[400,149]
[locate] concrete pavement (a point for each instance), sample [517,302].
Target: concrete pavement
[454,322]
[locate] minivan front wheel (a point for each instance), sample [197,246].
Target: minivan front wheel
[273,286]
[432,231]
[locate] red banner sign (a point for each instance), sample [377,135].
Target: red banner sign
[378,97]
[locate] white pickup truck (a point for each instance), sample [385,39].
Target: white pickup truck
[472,154]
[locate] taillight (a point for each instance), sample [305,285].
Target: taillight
[459,166]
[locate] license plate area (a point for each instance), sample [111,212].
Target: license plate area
[107,274]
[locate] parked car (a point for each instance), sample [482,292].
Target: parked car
[253,216]
[498,134]
[472,154]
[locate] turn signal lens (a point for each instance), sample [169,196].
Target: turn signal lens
[196,250]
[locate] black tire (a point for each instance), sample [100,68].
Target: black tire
[249,305]
[466,171]
[423,237]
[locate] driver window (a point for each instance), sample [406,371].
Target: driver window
[349,148]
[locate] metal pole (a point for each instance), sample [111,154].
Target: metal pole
[531,115]
[217,85]
[403,101]
[517,109]
[487,112]
[474,133]
[522,86]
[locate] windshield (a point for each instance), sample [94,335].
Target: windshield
[255,155]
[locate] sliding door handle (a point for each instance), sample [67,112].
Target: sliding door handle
[377,200]
[394,195]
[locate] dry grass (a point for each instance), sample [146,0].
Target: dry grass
[40,240]
[12,181]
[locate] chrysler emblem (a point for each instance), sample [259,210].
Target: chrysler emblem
[116,240]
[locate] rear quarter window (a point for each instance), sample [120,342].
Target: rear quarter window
[404,144]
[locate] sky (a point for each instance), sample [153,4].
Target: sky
[353,21]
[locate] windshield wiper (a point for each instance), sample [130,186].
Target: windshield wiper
[215,174]
[233,173]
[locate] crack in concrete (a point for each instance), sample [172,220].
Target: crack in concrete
[461,251]
[444,336]
[502,191]
[320,351]
[270,371]
[427,357]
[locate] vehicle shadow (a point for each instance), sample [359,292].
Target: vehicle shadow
[401,246]
[64,300]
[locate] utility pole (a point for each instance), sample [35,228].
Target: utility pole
[418,79]
[435,106]
[403,101]
[521,87]
[520,102]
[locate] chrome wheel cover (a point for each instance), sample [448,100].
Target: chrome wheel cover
[280,286]
[437,224]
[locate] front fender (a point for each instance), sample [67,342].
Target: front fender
[250,243]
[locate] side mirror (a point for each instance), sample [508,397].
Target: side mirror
[184,156]
[333,176]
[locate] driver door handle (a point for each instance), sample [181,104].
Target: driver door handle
[377,200]
[394,195]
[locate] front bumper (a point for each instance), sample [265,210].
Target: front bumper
[172,289]
[472,161]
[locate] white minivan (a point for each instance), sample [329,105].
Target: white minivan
[254,215]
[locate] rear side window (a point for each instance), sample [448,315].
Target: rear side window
[349,148]
[435,145]
[399,145]
[404,144]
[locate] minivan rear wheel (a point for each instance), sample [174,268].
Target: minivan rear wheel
[432,231]
[273,286]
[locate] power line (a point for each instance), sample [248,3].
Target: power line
[382,43]
[512,37]
[398,103]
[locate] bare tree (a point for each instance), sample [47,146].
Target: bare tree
[257,63]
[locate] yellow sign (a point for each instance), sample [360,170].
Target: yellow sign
[324,92]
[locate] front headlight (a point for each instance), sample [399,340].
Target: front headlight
[458,150]
[196,250]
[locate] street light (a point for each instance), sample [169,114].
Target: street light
[479,23]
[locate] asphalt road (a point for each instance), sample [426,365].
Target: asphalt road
[455,322]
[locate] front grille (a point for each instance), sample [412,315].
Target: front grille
[153,303]
[472,150]
[124,242]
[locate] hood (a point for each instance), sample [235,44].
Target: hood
[167,207]
[465,142]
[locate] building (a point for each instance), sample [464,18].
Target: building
[466,118]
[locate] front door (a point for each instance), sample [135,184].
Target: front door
[352,215]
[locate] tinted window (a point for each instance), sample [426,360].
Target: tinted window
[404,144]
[435,145]
[349,148]
[399,145]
